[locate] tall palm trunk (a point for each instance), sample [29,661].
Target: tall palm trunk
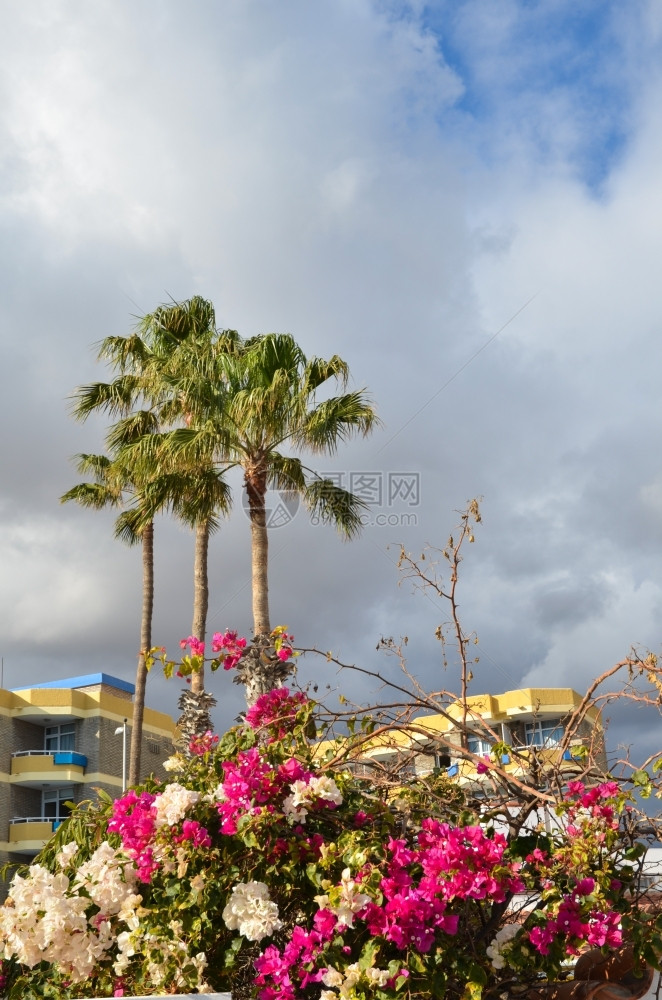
[261,670]
[255,481]
[200,596]
[145,646]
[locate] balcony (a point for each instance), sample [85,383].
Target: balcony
[28,834]
[39,768]
[573,757]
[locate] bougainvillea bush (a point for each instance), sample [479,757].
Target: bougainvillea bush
[261,869]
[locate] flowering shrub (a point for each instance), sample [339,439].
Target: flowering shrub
[261,869]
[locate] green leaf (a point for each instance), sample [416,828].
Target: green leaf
[368,953]
[472,991]
[416,963]
[314,875]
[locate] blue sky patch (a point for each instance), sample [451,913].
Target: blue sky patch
[555,77]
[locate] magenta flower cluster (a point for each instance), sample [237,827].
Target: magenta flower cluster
[231,645]
[276,708]
[134,819]
[416,894]
[591,813]
[283,642]
[200,745]
[451,863]
[193,832]
[591,804]
[196,646]
[253,784]
[282,973]
[227,643]
[571,927]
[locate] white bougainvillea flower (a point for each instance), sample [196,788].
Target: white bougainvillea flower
[251,912]
[173,804]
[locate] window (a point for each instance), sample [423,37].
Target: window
[477,745]
[60,737]
[543,733]
[53,802]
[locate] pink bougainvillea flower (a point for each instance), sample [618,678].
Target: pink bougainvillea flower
[200,745]
[231,645]
[575,788]
[195,645]
[193,832]
[275,707]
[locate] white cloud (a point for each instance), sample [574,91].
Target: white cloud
[52,588]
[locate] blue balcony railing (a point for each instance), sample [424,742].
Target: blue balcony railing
[69,757]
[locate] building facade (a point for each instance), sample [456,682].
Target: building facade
[532,721]
[59,742]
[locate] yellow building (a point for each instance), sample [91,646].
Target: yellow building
[59,742]
[532,721]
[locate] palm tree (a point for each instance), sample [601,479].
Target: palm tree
[112,486]
[251,401]
[169,347]
[196,495]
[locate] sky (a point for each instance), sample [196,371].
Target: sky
[461,198]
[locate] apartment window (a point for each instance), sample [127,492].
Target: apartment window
[477,745]
[53,802]
[60,737]
[543,733]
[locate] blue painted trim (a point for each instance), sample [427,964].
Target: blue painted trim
[69,757]
[86,680]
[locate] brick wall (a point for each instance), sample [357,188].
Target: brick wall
[155,749]
[25,801]
[26,735]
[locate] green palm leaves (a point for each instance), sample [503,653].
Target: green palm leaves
[194,401]
[254,400]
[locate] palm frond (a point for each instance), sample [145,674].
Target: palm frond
[271,353]
[334,505]
[117,397]
[131,429]
[286,473]
[93,495]
[201,497]
[130,525]
[96,465]
[336,420]
[318,371]
[198,446]
[173,323]
[125,353]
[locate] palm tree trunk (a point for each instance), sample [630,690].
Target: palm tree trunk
[256,488]
[145,646]
[200,596]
